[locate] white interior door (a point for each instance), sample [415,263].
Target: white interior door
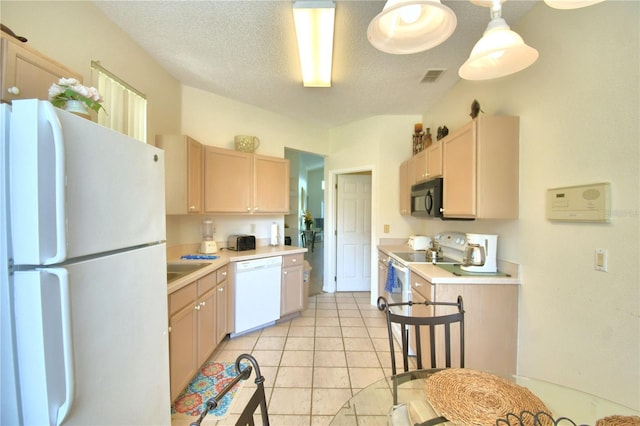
[353,240]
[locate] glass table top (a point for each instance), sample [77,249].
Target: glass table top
[373,405]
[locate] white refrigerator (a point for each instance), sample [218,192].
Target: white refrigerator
[83,266]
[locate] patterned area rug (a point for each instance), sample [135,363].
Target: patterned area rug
[209,382]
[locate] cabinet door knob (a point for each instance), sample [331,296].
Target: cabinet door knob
[248,209]
[224,274]
[203,303]
[192,208]
[255,209]
[197,308]
[13,90]
[294,260]
[220,290]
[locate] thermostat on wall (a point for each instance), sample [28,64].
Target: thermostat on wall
[582,203]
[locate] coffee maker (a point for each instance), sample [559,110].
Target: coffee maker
[480,253]
[208,244]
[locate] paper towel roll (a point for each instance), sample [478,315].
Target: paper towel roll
[274,234]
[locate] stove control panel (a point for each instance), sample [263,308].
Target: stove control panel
[453,240]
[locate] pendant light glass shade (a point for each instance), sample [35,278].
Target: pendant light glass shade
[498,53]
[570,4]
[411,26]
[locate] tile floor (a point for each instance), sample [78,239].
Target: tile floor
[314,363]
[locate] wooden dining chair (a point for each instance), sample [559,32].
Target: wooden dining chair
[258,399]
[425,333]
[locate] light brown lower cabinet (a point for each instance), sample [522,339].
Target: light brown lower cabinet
[223,304]
[490,322]
[293,292]
[197,323]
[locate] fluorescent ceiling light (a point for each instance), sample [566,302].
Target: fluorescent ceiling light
[570,4]
[411,26]
[314,21]
[498,53]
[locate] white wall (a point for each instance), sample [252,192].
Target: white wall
[382,142]
[75,32]
[578,106]
[378,144]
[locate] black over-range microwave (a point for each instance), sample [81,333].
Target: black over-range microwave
[426,198]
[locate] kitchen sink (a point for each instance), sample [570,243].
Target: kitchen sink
[178,270]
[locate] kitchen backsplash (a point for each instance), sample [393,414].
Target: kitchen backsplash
[188,229]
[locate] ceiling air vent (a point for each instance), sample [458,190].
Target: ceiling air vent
[432,75]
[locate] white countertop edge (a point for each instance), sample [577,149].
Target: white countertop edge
[436,275]
[224,258]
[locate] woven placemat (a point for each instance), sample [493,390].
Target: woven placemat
[470,397]
[619,421]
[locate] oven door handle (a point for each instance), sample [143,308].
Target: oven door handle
[399,267]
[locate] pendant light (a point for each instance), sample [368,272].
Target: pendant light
[411,26]
[570,4]
[499,52]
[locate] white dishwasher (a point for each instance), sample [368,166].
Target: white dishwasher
[257,295]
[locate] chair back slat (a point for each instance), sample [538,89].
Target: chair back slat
[440,333]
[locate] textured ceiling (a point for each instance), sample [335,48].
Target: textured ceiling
[246,50]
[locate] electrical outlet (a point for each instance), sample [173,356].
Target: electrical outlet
[253,228]
[601,260]
[386,229]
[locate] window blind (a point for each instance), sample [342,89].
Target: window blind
[125,106]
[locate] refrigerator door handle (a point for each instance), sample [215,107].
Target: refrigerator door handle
[67,342]
[50,116]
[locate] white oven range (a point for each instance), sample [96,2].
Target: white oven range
[450,244]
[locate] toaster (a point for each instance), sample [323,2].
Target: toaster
[241,242]
[419,242]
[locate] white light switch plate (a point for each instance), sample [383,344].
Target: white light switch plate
[600,261]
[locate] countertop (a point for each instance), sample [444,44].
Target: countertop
[436,275]
[224,258]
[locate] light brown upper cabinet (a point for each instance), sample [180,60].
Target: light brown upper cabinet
[26,73]
[480,169]
[183,173]
[434,160]
[242,183]
[428,162]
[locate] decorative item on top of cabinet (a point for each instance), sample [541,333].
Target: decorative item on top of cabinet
[428,138]
[442,132]
[246,143]
[26,73]
[183,173]
[418,134]
[242,183]
[480,169]
[8,30]
[475,109]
